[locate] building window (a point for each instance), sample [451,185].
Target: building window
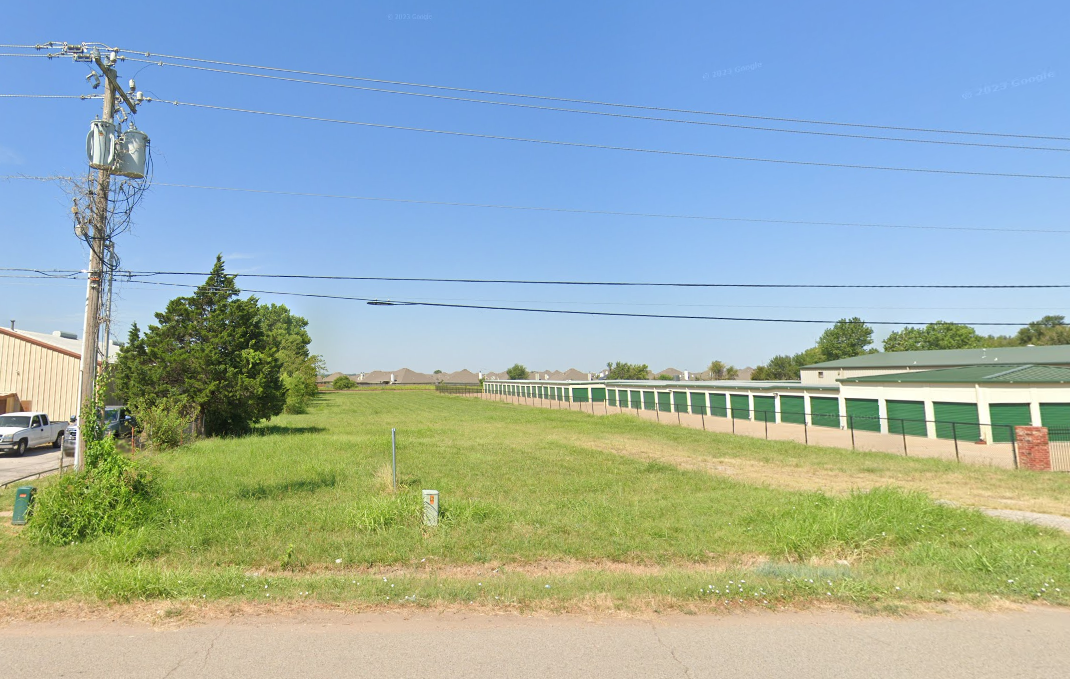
[820,374]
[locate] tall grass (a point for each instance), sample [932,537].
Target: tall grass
[310,497]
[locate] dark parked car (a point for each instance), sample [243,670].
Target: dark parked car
[118,423]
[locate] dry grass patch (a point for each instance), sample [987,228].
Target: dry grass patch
[965,486]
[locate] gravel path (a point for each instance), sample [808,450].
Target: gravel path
[1050,520]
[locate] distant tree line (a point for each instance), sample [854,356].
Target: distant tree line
[851,337]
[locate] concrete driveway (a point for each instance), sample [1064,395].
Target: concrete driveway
[35,460]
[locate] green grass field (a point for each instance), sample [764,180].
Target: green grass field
[550,510]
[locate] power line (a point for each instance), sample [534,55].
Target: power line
[75,276]
[570,312]
[898,128]
[614,213]
[610,213]
[494,281]
[605,147]
[613,314]
[50,96]
[604,113]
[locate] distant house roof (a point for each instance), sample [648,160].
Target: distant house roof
[406,376]
[672,372]
[461,377]
[374,377]
[1048,355]
[976,374]
[573,374]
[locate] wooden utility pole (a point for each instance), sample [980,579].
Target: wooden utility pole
[98,237]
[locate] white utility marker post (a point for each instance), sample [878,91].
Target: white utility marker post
[394,456]
[430,507]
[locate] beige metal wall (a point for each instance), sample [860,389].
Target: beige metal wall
[43,378]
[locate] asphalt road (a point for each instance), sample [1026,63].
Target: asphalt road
[35,460]
[1031,643]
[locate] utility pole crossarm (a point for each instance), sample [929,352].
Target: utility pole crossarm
[109,73]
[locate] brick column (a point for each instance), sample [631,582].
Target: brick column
[1033,452]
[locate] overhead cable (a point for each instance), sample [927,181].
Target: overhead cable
[605,113]
[606,147]
[570,312]
[898,128]
[610,213]
[51,96]
[613,213]
[495,281]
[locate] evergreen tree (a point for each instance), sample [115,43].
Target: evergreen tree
[209,350]
[286,334]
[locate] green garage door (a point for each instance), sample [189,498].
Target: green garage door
[719,405]
[679,401]
[957,421]
[664,401]
[612,396]
[648,400]
[740,407]
[698,403]
[1056,417]
[825,412]
[863,414]
[792,409]
[580,395]
[907,417]
[637,400]
[598,394]
[765,408]
[1007,416]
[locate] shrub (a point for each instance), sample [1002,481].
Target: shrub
[111,496]
[343,382]
[166,422]
[517,372]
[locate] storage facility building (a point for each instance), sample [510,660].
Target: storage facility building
[977,395]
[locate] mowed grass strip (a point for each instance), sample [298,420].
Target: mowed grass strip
[538,510]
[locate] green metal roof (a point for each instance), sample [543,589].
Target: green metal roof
[976,374]
[1049,355]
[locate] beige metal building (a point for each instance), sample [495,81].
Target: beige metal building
[40,372]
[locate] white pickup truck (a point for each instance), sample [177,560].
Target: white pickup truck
[20,431]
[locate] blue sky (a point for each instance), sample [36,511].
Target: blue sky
[912,64]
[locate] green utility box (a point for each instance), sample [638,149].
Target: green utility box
[23,502]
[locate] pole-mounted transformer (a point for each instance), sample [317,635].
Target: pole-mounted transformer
[123,154]
[133,152]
